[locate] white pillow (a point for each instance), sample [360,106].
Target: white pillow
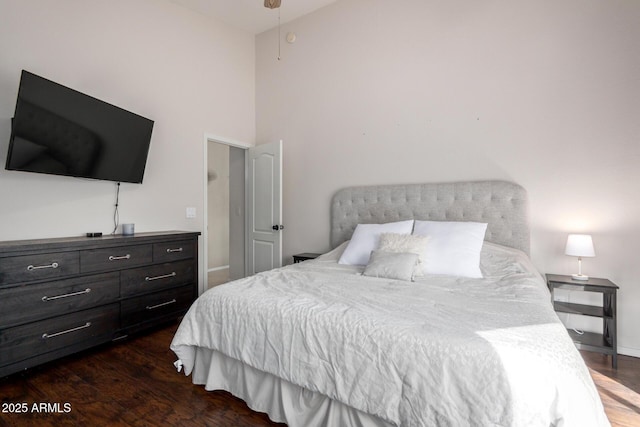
[391,265]
[365,239]
[454,247]
[407,243]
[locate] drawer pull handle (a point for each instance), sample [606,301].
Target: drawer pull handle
[117,258]
[38,267]
[152,307]
[174,250]
[164,276]
[73,294]
[46,336]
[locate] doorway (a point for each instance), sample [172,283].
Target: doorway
[224,234]
[218,214]
[254,210]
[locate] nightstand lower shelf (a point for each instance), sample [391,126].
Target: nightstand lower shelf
[591,341]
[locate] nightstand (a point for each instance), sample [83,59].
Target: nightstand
[304,256]
[605,342]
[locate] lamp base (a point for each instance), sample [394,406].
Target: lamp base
[579,277]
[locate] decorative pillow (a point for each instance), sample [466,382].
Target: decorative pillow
[411,243]
[391,265]
[454,247]
[365,239]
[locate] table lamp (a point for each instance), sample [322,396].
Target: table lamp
[580,245]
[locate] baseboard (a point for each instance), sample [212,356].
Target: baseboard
[218,268]
[627,351]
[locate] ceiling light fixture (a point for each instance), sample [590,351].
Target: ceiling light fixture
[272,4]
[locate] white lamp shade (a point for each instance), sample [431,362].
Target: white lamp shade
[580,245]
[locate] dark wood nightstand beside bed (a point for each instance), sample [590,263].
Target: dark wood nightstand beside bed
[304,256]
[605,342]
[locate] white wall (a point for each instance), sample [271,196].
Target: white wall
[218,205]
[543,93]
[189,73]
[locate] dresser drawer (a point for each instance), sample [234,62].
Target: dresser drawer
[156,277]
[33,302]
[151,307]
[28,268]
[116,258]
[172,251]
[36,338]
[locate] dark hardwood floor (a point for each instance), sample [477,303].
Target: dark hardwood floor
[129,383]
[619,389]
[134,383]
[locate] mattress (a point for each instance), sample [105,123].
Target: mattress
[442,350]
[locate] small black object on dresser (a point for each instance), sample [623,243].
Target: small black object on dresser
[59,296]
[304,256]
[605,342]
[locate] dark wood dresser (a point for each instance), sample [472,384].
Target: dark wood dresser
[59,296]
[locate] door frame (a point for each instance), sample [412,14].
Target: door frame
[204,278]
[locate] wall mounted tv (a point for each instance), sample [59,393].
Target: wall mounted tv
[57,130]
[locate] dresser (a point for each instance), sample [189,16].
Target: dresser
[59,296]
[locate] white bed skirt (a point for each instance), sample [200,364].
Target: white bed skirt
[283,401]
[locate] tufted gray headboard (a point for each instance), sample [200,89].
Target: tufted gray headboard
[501,204]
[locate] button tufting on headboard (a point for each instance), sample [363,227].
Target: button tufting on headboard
[503,205]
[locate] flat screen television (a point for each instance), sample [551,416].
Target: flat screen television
[60,131]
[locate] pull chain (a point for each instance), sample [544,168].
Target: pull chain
[279,38]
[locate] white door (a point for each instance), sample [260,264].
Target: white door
[264,207]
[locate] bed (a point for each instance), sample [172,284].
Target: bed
[319,343]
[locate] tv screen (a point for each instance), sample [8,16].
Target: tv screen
[57,130]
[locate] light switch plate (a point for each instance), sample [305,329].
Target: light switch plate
[191,212]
